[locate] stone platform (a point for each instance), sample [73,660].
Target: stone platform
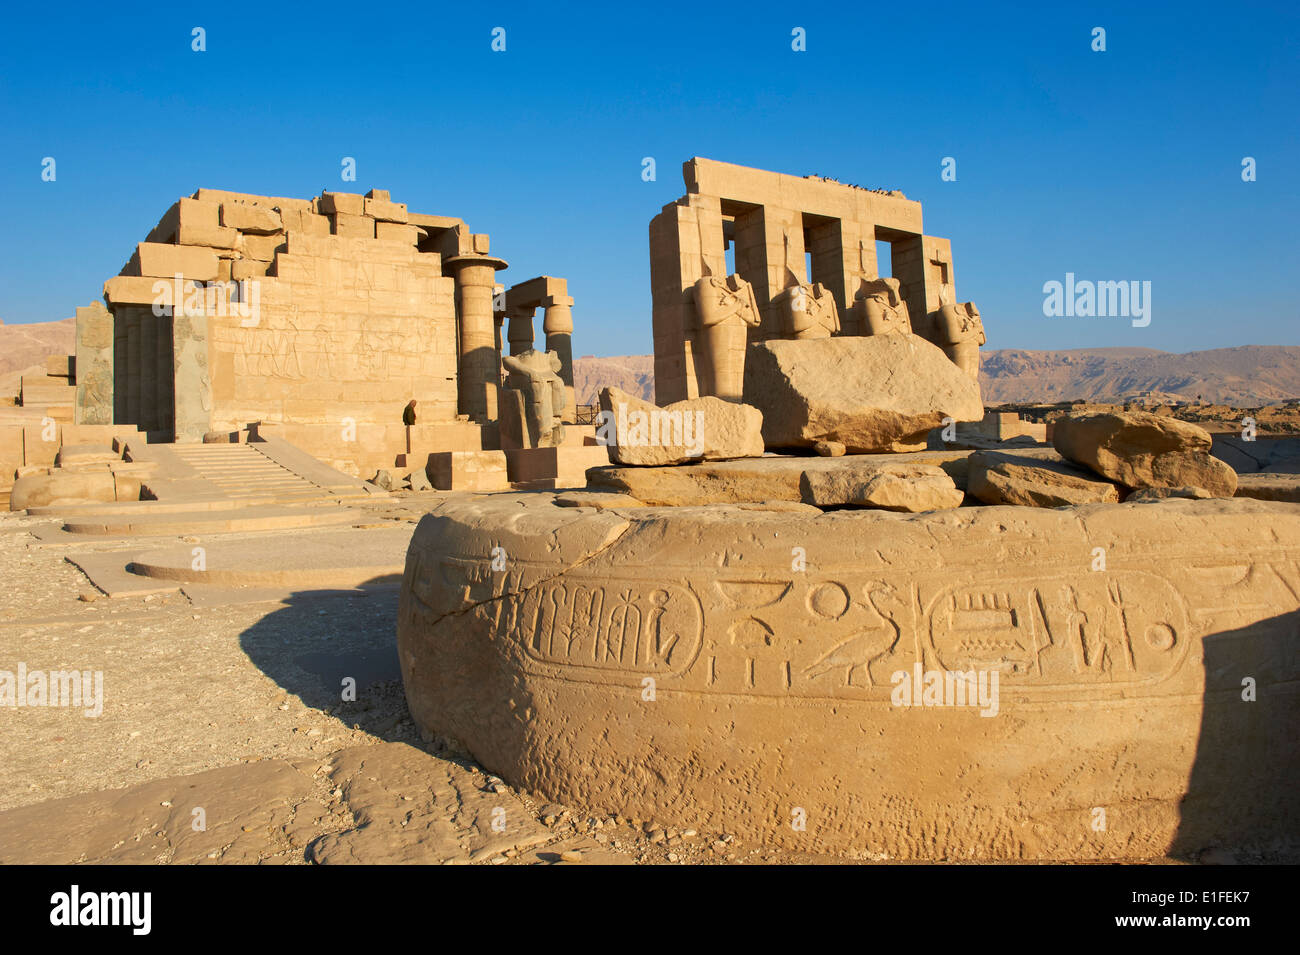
[742,670]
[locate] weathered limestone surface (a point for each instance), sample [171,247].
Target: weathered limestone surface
[873,393]
[697,429]
[1035,478]
[469,471]
[1140,449]
[892,487]
[774,687]
[770,478]
[64,487]
[1270,487]
[79,455]
[94,365]
[1147,495]
[191,349]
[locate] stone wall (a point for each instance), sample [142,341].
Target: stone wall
[349,331]
[318,320]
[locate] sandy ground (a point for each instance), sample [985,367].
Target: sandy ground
[238,706]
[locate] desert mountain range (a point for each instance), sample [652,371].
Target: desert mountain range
[1246,376]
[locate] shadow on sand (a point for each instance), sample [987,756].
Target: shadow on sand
[1243,797]
[321,638]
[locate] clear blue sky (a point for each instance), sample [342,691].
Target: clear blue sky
[1117,165]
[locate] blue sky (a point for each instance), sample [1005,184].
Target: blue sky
[1120,165]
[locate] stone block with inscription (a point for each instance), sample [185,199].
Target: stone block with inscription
[963,684]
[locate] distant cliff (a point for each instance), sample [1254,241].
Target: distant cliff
[1249,375]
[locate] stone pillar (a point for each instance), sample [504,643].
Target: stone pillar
[940,287]
[133,337]
[557,324]
[119,365]
[520,330]
[94,365]
[770,257]
[166,371]
[478,375]
[148,369]
[192,405]
[687,240]
[907,259]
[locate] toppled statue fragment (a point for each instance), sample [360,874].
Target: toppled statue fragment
[698,429]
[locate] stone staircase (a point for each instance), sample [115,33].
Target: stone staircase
[243,471]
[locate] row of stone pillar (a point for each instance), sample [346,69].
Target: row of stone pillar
[143,369]
[479,370]
[478,373]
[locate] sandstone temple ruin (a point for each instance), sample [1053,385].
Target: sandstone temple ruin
[365,334]
[805,266]
[814,596]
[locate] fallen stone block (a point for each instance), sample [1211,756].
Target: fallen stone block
[891,487]
[769,478]
[697,429]
[875,393]
[1139,449]
[1029,479]
[600,500]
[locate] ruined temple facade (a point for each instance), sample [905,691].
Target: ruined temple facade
[806,238]
[321,320]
